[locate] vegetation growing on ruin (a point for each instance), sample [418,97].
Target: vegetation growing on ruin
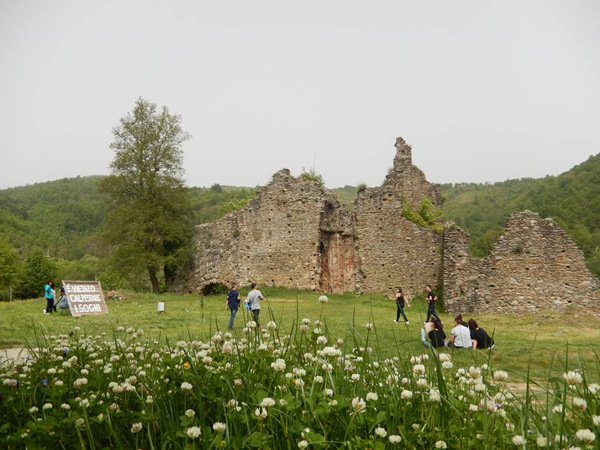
[312,175]
[426,215]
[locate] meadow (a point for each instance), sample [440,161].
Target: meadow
[338,374]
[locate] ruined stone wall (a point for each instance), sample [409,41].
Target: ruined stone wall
[534,265]
[274,239]
[391,250]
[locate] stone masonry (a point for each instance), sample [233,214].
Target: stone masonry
[534,265]
[296,234]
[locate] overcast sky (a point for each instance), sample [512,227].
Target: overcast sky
[482,90]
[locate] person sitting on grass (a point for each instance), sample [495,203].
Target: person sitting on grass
[63,303]
[479,337]
[436,334]
[460,336]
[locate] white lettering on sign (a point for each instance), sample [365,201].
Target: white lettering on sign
[85,297]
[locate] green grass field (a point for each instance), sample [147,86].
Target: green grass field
[539,341]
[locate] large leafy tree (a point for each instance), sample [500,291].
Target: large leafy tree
[9,265]
[37,270]
[149,224]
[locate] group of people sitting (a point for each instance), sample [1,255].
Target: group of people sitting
[463,335]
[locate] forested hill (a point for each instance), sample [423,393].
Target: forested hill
[572,199]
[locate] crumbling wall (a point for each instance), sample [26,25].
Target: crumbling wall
[274,239]
[338,262]
[391,250]
[534,265]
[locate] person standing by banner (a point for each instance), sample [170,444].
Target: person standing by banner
[49,295]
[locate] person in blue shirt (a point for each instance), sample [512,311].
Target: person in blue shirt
[49,294]
[233,303]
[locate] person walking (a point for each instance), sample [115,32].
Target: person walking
[233,303]
[401,300]
[431,298]
[253,300]
[49,295]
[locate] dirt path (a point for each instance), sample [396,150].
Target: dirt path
[13,355]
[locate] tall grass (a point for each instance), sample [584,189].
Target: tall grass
[312,387]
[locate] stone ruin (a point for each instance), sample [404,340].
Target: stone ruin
[297,234]
[534,265]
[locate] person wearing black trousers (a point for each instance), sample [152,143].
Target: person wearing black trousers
[431,298]
[400,302]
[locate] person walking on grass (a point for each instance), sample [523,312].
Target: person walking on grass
[401,300]
[49,293]
[253,300]
[233,303]
[431,298]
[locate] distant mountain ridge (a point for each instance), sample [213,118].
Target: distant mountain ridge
[65,216]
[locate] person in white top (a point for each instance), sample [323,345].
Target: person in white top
[253,300]
[460,336]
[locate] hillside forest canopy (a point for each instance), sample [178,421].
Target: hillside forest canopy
[58,228]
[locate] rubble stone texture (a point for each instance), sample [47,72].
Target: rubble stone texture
[296,234]
[534,265]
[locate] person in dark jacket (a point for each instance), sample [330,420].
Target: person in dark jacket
[233,303]
[479,337]
[401,300]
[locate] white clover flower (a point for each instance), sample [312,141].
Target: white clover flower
[267,402]
[260,413]
[193,432]
[355,377]
[80,382]
[444,357]
[419,369]
[405,381]
[434,395]
[358,405]
[541,441]
[319,379]
[51,371]
[585,436]
[328,392]
[251,324]
[219,427]
[306,321]
[100,417]
[303,444]
[79,422]
[149,400]
[65,406]
[557,409]
[441,445]
[47,406]
[500,375]
[331,351]
[299,383]
[323,299]
[473,408]
[372,396]
[271,326]
[447,365]
[379,431]
[278,365]
[232,403]
[190,413]
[406,395]
[185,386]
[136,427]
[321,340]
[593,388]
[33,409]
[573,378]
[395,439]
[422,383]
[480,387]
[369,326]
[596,420]
[579,403]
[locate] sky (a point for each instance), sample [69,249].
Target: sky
[482,90]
